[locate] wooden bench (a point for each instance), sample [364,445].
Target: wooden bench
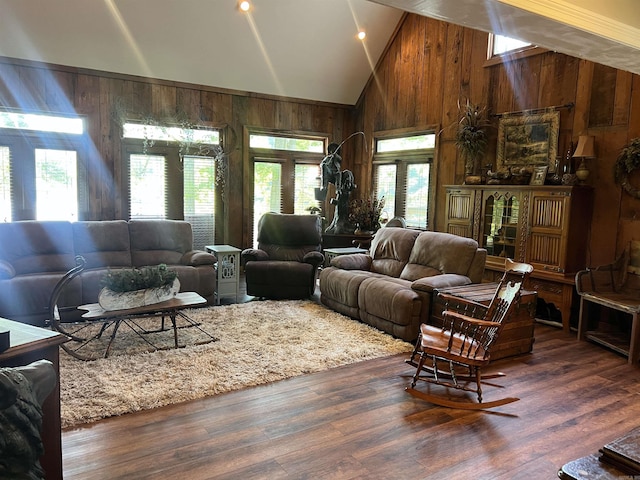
[613,287]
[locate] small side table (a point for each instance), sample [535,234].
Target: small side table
[228,270]
[330,253]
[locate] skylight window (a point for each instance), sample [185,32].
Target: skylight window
[502,44]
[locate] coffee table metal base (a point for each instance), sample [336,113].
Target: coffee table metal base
[98,323]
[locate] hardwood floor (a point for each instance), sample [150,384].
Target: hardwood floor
[358,422]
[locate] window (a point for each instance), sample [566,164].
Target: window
[305,182]
[503,48]
[199,198]
[147,186]
[267,191]
[402,174]
[56,185]
[502,44]
[165,183]
[5,185]
[286,174]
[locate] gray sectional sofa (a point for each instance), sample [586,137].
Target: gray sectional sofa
[34,255]
[391,288]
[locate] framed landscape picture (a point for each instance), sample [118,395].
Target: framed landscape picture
[528,140]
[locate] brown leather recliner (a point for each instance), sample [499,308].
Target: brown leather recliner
[286,261]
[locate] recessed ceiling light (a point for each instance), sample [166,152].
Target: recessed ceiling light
[245,6]
[361,34]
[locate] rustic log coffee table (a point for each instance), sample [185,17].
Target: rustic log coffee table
[96,322]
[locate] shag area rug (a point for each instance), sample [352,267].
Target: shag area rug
[258,342]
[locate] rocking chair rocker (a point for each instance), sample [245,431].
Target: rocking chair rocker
[463,343]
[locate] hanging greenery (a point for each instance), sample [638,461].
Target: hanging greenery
[124,111]
[628,161]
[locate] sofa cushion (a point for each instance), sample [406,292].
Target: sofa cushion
[435,253]
[31,293]
[159,241]
[6,270]
[390,250]
[103,243]
[37,247]
[393,301]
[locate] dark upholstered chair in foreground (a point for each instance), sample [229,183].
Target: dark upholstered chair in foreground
[286,261]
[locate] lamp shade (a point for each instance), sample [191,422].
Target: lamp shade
[586,147]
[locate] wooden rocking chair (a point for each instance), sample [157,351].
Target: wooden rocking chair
[463,344]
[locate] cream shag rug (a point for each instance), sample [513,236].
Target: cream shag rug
[259,342]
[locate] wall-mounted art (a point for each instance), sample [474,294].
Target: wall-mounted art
[528,140]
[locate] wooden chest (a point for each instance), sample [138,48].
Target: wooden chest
[516,336]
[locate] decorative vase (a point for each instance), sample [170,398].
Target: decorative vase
[110,300]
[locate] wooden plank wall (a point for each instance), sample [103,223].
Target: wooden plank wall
[430,65]
[53,88]
[426,69]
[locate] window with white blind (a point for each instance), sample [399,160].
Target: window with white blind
[199,198]
[267,191]
[307,179]
[147,195]
[384,185]
[5,184]
[56,185]
[402,173]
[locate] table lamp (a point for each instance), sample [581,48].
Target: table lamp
[584,150]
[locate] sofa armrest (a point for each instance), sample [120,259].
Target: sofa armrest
[195,258]
[353,261]
[253,255]
[314,258]
[428,284]
[6,270]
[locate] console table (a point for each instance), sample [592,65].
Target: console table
[227,269]
[28,344]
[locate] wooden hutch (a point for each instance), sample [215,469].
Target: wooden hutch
[545,226]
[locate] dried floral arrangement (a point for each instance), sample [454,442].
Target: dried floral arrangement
[365,213]
[129,280]
[471,136]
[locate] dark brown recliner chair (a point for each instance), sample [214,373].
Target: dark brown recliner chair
[286,261]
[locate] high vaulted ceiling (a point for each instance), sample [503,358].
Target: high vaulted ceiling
[295,48]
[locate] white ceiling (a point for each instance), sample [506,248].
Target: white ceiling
[295,48]
[300,49]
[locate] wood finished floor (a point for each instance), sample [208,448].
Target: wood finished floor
[357,422]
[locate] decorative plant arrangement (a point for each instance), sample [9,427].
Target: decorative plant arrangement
[628,161]
[365,213]
[471,136]
[136,287]
[128,280]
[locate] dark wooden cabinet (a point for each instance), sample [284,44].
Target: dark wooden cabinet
[546,226]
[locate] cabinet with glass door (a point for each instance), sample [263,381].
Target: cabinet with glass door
[546,226]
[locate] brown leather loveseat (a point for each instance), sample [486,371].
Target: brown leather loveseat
[391,287]
[34,255]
